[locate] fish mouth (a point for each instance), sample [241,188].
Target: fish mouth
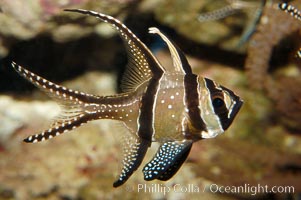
[236,108]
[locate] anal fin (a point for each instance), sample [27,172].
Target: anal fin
[167,161]
[134,152]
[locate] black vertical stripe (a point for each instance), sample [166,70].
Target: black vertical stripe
[185,65]
[221,112]
[145,130]
[211,86]
[192,102]
[238,103]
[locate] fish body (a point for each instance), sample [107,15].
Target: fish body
[171,106]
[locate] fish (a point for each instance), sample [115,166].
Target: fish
[168,105]
[294,12]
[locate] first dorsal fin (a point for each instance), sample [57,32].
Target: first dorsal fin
[142,65]
[167,160]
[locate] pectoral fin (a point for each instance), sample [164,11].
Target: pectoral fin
[167,161]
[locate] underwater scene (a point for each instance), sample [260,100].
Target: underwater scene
[150,99]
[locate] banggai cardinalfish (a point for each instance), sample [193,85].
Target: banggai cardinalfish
[168,105]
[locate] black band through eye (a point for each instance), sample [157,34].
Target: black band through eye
[218,102]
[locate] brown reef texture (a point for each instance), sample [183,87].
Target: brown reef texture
[23,20]
[262,146]
[281,86]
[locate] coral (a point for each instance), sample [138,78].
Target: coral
[274,26]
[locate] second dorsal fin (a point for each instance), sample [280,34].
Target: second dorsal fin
[180,62]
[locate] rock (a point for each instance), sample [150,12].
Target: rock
[22,20]
[16,115]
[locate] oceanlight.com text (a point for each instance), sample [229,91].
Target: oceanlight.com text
[250,189]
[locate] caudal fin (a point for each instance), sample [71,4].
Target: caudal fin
[73,105]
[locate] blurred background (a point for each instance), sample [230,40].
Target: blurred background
[248,46]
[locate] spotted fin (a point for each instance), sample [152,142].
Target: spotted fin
[218,14]
[167,160]
[134,151]
[294,12]
[72,104]
[180,62]
[142,65]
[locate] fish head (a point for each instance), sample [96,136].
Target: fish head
[218,105]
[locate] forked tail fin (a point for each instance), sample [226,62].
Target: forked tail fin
[76,107]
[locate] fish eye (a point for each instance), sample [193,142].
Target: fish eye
[218,102]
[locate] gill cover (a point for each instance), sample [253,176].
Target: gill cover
[218,106]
